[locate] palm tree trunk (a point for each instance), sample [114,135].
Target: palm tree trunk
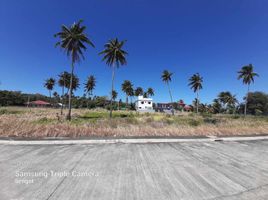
[68,117]
[246,102]
[111,102]
[170,98]
[61,111]
[197,103]
[127,103]
[87,99]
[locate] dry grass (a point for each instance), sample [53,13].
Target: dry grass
[36,122]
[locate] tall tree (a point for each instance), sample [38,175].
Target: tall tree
[114,56]
[228,100]
[63,77]
[127,88]
[75,83]
[114,96]
[49,85]
[195,82]
[217,106]
[138,91]
[247,74]
[73,41]
[150,92]
[166,78]
[90,86]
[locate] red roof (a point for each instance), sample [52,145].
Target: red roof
[39,102]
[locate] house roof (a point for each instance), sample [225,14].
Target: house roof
[39,102]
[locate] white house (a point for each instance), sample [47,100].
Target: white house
[144,104]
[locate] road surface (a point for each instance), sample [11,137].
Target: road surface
[195,170]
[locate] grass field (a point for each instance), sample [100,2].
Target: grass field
[46,122]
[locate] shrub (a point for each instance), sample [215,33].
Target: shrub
[194,122]
[211,120]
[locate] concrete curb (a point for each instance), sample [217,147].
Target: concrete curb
[129,141]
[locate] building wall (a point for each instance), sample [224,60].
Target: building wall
[144,104]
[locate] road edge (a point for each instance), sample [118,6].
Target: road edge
[129,140]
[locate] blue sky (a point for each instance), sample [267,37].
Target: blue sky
[214,38]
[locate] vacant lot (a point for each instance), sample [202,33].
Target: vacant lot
[40,122]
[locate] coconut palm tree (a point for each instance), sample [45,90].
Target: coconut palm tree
[217,106]
[150,92]
[247,74]
[138,92]
[127,88]
[90,86]
[49,85]
[166,78]
[114,56]
[63,77]
[73,41]
[75,83]
[114,96]
[227,99]
[195,82]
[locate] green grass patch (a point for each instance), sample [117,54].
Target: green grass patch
[10,112]
[44,121]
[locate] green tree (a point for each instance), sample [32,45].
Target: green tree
[247,74]
[150,92]
[166,78]
[138,91]
[114,96]
[49,85]
[258,103]
[216,106]
[73,40]
[114,56]
[75,83]
[195,82]
[228,101]
[62,82]
[90,86]
[127,88]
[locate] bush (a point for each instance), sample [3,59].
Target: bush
[194,122]
[211,120]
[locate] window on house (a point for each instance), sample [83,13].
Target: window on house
[142,102]
[149,102]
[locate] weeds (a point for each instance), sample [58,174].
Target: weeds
[38,122]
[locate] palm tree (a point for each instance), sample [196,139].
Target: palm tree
[247,74]
[114,95]
[227,99]
[150,92]
[49,84]
[73,40]
[75,83]
[217,106]
[114,56]
[63,77]
[166,78]
[90,86]
[127,88]
[138,92]
[196,84]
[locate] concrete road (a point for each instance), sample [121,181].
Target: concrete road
[195,170]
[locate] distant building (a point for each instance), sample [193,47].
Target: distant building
[144,104]
[38,103]
[161,107]
[167,107]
